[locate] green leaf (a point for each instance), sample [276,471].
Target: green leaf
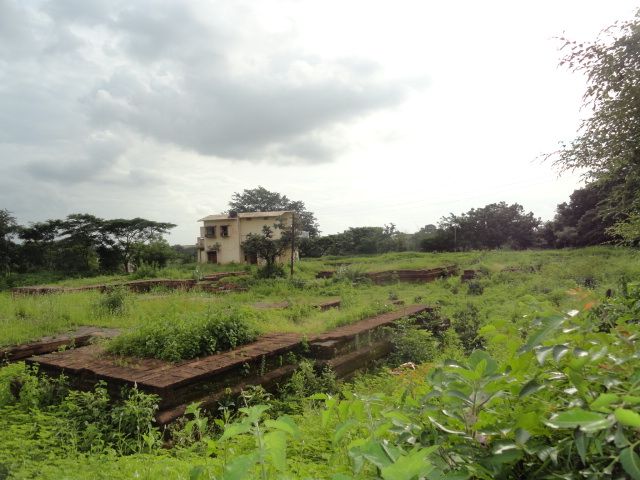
[498,338]
[542,353]
[285,424]
[549,325]
[452,363]
[558,352]
[530,388]
[627,417]
[413,465]
[276,445]
[578,418]
[522,435]
[486,329]
[196,472]
[580,440]
[235,429]
[460,395]
[482,363]
[254,412]
[630,462]
[239,466]
[603,400]
[373,452]
[342,429]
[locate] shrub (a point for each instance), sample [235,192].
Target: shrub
[114,301]
[184,337]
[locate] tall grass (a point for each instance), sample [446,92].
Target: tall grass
[543,275]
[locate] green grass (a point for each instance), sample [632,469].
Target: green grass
[43,442]
[545,275]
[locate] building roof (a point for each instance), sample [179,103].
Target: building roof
[245,215]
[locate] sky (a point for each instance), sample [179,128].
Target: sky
[370,112]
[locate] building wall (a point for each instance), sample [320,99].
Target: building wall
[238,229]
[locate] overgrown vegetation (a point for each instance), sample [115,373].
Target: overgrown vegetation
[537,376]
[174,337]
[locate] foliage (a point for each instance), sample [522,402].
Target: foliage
[607,146]
[580,222]
[86,243]
[494,226]
[262,200]
[8,228]
[554,395]
[267,248]
[183,337]
[114,301]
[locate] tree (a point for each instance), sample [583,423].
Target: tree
[580,223]
[83,236]
[8,228]
[496,225]
[40,240]
[608,144]
[264,246]
[127,237]
[262,200]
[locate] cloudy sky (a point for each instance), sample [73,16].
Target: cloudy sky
[370,112]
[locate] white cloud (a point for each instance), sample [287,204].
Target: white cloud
[369,112]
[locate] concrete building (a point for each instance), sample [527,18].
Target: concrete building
[221,236]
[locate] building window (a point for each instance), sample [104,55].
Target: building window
[210,232]
[224,230]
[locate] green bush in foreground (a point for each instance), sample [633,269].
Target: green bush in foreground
[182,337]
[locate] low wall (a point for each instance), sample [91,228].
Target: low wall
[137,286]
[422,275]
[269,361]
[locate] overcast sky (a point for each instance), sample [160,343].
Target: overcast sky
[371,112]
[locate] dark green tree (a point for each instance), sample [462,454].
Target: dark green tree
[128,237]
[580,222]
[262,200]
[608,141]
[267,248]
[40,240]
[82,237]
[496,225]
[8,229]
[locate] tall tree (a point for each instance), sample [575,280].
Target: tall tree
[127,237]
[608,143]
[83,236]
[262,200]
[39,247]
[580,222]
[8,229]
[496,225]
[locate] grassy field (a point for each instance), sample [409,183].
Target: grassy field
[537,378]
[496,294]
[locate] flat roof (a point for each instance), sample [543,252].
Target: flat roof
[225,216]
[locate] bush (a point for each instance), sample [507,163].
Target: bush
[185,337]
[114,301]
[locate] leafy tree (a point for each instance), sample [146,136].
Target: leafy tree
[127,237]
[264,246]
[580,222]
[83,236]
[8,228]
[40,241]
[262,200]
[608,144]
[497,225]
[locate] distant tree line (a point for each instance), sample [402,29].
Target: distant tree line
[83,243]
[494,226]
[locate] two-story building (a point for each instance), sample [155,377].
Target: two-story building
[221,236]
